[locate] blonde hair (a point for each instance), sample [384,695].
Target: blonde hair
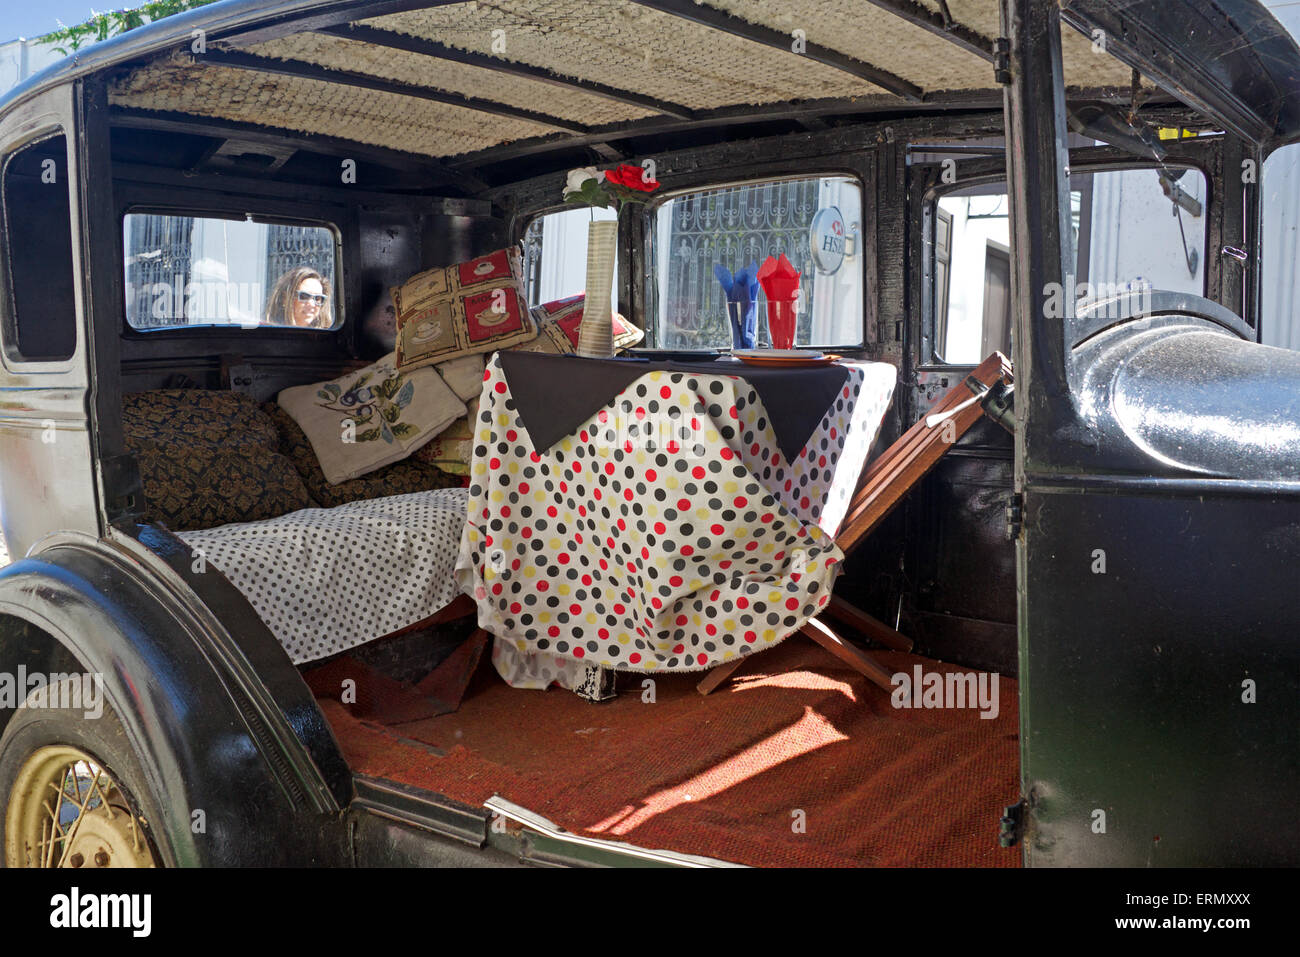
[279,305]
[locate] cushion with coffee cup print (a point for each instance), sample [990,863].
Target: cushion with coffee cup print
[465,309]
[558,323]
[366,419]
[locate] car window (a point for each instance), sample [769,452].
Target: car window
[1132,229]
[39,296]
[183,271]
[815,222]
[555,254]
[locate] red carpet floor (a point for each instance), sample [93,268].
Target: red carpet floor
[795,762]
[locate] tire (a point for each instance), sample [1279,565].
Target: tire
[41,735]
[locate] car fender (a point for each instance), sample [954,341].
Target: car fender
[258,762]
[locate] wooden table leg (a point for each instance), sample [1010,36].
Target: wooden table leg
[847,653]
[719,674]
[875,629]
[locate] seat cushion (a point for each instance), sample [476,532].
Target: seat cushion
[326,580]
[209,458]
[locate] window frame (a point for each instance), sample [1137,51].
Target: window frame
[650,291]
[14,361]
[198,211]
[929,353]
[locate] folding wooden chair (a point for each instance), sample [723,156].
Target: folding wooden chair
[884,483]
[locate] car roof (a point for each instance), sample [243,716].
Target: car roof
[466,79]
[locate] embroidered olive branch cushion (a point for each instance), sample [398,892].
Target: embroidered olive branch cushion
[399,478]
[369,418]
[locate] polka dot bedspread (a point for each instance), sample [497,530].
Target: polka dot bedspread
[667,533]
[328,579]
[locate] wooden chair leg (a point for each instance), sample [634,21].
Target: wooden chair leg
[847,613]
[847,653]
[719,674]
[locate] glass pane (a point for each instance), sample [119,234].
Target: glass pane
[1132,229]
[1279,299]
[1140,228]
[555,255]
[736,226]
[186,271]
[41,299]
[973,274]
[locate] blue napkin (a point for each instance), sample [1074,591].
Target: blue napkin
[742,288]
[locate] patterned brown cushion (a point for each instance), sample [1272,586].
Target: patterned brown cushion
[189,489]
[164,417]
[209,458]
[396,479]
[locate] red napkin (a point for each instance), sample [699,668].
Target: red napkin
[779,279]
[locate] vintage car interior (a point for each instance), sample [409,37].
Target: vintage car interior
[372,142]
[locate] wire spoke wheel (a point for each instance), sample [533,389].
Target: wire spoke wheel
[65,810]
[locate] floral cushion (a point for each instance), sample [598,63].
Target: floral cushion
[399,478]
[372,417]
[469,308]
[558,324]
[208,458]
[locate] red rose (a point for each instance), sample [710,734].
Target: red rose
[631,177]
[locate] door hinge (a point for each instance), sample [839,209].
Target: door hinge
[1012,826]
[1015,515]
[1002,61]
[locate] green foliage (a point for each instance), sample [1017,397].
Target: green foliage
[101,26]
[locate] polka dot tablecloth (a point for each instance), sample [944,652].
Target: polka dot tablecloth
[328,579]
[667,533]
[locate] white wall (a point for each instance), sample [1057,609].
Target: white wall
[1280,199]
[1136,237]
[970,239]
[564,256]
[19,59]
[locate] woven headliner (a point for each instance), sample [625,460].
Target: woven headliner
[626,45]
[339,54]
[311,106]
[618,43]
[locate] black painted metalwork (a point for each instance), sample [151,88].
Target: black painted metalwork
[436,172]
[1231,58]
[940,24]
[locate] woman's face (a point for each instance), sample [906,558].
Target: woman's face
[308,301]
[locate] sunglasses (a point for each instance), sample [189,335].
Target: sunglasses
[311,297]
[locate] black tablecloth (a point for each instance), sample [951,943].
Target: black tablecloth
[556,394]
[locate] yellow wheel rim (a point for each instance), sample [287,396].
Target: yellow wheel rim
[65,810]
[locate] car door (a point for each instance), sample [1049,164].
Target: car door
[45,437]
[1158,542]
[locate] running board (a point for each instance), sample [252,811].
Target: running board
[593,850]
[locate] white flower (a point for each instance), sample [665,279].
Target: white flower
[579,176]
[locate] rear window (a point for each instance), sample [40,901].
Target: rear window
[184,271]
